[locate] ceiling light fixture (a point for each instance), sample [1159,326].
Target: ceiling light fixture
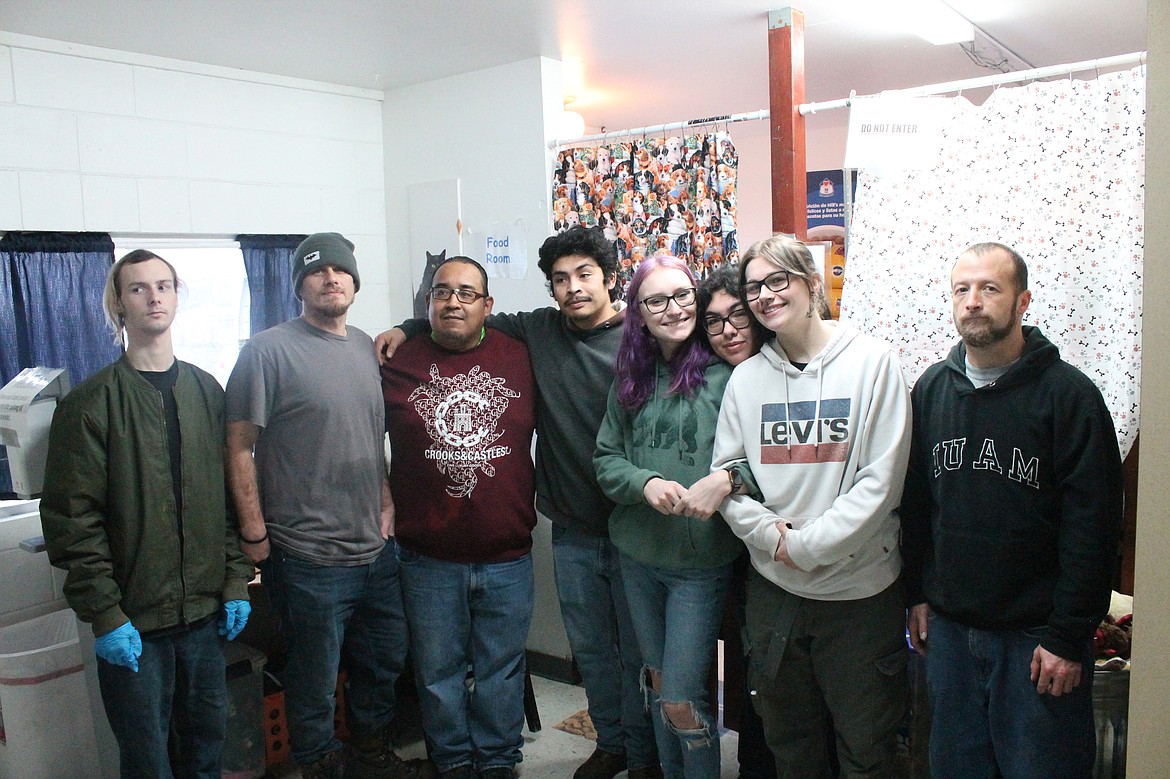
[572,125]
[937,22]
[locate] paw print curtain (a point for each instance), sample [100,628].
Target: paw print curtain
[673,195]
[1055,170]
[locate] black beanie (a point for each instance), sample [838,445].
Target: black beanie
[324,249]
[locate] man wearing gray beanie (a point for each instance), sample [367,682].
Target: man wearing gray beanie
[316,517]
[320,250]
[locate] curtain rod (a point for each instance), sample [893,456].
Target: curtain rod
[1121,60]
[658,129]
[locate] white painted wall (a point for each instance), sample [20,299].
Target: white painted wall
[1149,701]
[487,129]
[116,142]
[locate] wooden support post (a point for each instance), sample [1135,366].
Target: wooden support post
[786,93]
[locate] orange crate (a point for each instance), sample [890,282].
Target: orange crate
[276,748]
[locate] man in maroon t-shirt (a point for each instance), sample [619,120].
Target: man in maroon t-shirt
[461,412]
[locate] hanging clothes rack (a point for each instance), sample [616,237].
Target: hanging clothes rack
[1103,63]
[660,129]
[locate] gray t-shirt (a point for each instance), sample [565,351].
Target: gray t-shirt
[319,458]
[981,377]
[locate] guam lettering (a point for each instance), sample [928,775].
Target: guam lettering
[948,456]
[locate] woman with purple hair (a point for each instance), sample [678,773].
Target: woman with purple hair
[653,459]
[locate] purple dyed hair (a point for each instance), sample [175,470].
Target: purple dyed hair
[637,357]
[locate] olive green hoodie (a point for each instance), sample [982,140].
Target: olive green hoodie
[669,437]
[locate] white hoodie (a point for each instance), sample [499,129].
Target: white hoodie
[828,447]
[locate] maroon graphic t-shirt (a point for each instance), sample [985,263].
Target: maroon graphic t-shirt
[461,427]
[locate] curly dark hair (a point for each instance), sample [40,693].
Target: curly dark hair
[725,278]
[586,241]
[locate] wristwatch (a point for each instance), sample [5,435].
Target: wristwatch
[735,479]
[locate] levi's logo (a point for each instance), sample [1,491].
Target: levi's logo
[312,257]
[800,432]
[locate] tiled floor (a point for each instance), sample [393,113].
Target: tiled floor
[552,753]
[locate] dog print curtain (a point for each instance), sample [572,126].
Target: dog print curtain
[672,195]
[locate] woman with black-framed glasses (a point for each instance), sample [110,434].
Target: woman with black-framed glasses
[653,460]
[822,417]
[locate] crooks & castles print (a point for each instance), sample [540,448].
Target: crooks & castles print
[462,414]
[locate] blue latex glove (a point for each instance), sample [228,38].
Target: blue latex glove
[235,617]
[121,646]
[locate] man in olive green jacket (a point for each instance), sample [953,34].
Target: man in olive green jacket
[134,509]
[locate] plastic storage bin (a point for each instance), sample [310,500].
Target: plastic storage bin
[1111,715]
[47,731]
[243,749]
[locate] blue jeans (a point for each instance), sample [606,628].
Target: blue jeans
[181,675]
[469,616]
[601,636]
[323,611]
[676,616]
[986,714]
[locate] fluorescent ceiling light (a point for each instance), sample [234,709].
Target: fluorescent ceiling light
[932,20]
[937,22]
[572,125]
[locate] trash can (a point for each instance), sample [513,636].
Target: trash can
[46,731]
[1111,717]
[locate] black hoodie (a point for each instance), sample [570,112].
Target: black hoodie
[1013,503]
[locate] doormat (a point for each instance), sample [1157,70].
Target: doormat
[579,725]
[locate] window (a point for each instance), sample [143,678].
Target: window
[212,321]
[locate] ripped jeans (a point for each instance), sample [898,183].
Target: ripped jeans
[676,617]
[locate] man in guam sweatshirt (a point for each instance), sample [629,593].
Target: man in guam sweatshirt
[1011,517]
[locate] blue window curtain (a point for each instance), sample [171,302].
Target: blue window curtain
[268,263]
[51,311]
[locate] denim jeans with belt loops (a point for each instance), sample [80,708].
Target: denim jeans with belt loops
[180,675]
[601,636]
[987,719]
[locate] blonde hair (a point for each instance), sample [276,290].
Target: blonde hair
[789,254]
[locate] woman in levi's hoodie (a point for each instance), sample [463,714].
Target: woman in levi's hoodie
[822,418]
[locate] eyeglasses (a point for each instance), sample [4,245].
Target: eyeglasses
[739,319]
[656,304]
[463,295]
[777,282]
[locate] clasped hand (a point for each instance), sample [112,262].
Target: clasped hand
[699,502]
